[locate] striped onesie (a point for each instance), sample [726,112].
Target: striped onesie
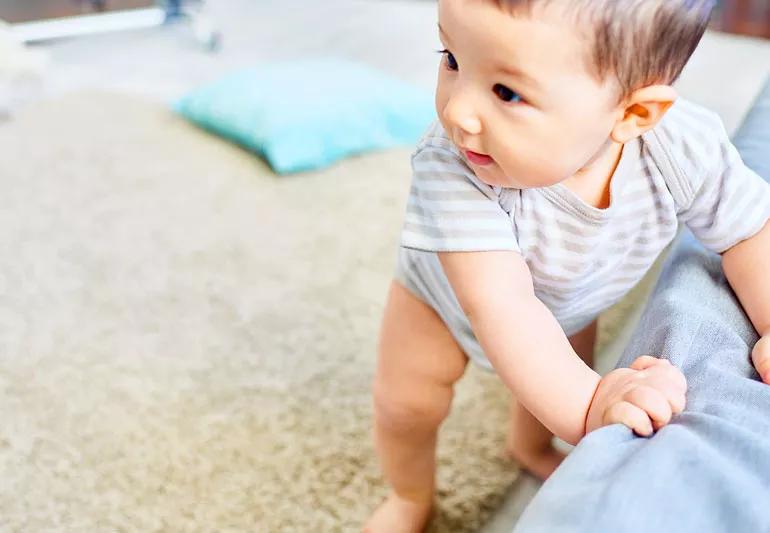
[582,259]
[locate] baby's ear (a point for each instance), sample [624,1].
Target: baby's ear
[642,110]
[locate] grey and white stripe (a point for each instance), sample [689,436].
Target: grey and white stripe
[582,259]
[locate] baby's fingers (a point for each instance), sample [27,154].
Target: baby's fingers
[652,402]
[760,356]
[629,415]
[659,366]
[670,382]
[660,374]
[645,361]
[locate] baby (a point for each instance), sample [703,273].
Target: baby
[560,167]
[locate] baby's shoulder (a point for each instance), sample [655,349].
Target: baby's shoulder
[686,146]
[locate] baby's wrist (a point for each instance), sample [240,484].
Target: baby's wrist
[588,426]
[603,397]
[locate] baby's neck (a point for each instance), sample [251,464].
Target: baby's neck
[592,182]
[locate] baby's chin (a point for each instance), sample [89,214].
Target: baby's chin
[494,176]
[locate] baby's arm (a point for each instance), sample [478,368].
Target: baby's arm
[747,268]
[533,357]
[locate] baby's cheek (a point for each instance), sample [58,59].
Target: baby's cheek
[528,173]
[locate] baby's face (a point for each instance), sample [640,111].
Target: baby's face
[517,90]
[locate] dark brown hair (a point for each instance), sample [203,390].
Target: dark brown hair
[639,42]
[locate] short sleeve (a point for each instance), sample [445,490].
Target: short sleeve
[450,210]
[724,201]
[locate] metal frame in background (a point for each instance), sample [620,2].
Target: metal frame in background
[168,12]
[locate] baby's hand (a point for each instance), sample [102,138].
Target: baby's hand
[643,397]
[760,355]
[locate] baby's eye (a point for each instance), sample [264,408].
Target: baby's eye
[451,62]
[505,94]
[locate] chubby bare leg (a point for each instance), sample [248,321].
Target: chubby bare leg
[418,363]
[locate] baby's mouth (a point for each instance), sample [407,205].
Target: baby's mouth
[478,159]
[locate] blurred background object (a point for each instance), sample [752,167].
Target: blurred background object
[32,30]
[40,20]
[22,71]
[746,17]
[15,11]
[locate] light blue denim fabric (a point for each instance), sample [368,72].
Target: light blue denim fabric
[709,470]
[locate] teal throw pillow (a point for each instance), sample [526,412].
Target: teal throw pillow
[305,115]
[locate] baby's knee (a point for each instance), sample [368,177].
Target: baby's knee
[403,408]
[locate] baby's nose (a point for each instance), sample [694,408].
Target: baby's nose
[460,114]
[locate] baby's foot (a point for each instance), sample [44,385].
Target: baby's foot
[539,462]
[398,515]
